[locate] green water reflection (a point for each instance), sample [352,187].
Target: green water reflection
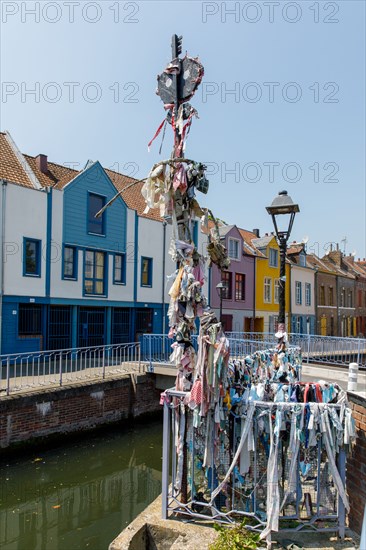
[81,495]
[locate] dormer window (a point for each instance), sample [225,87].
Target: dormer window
[234,247]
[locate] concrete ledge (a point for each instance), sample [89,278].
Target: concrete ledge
[149,531]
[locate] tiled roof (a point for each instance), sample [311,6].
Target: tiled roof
[10,167]
[249,248]
[315,262]
[295,248]
[132,196]
[262,242]
[58,176]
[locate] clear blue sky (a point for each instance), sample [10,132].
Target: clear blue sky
[310,51]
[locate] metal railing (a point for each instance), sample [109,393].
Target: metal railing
[156,348]
[20,371]
[317,349]
[314,504]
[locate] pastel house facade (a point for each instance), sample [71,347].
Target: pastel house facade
[70,279]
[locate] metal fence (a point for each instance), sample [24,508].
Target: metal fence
[311,501]
[156,348]
[57,367]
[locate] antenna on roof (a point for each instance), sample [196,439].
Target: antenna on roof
[344,240]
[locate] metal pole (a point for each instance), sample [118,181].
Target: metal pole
[165,469]
[352,377]
[221,305]
[8,375]
[341,508]
[282,286]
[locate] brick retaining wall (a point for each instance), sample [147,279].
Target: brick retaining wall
[34,415]
[356,465]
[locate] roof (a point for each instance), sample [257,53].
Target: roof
[10,167]
[262,242]
[248,237]
[57,176]
[225,229]
[313,261]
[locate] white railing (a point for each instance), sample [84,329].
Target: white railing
[20,371]
[318,349]
[156,348]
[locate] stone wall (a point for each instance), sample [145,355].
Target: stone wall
[35,415]
[356,464]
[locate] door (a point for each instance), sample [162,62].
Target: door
[59,327]
[91,326]
[259,324]
[144,321]
[121,320]
[323,326]
[227,323]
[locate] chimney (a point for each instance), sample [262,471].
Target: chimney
[42,164]
[337,247]
[331,247]
[256,233]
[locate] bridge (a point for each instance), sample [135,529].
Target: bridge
[323,358]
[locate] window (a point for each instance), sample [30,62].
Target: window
[69,267]
[330,296]
[119,271]
[276,291]
[273,257]
[32,258]
[95,225]
[302,259]
[29,320]
[298,292]
[343,297]
[359,298]
[234,249]
[146,271]
[322,296]
[239,286]
[267,290]
[94,272]
[350,299]
[307,294]
[226,277]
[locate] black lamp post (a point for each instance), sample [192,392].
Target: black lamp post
[220,289]
[283,211]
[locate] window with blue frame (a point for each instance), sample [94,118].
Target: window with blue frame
[307,294]
[94,273]
[96,225]
[146,271]
[298,293]
[32,258]
[119,271]
[69,264]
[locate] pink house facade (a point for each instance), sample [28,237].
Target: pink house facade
[239,292]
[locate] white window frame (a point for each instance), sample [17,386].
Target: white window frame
[276,291]
[267,286]
[232,240]
[274,250]
[298,293]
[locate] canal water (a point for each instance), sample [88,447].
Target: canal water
[81,495]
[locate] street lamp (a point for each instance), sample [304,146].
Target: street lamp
[220,289]
[283,211]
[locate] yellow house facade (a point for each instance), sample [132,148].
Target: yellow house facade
[267,280]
